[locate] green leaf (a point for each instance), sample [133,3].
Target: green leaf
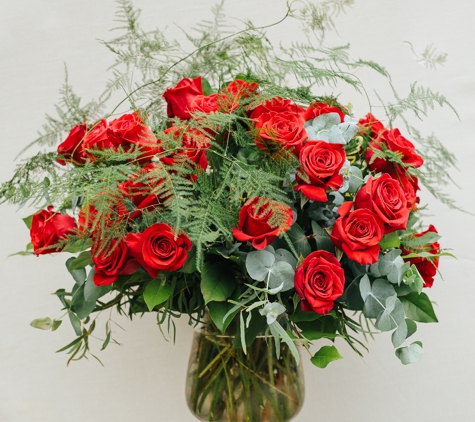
[413,279]
[93,292]
[390,241]
[392,316]
[300,315]
[75,322]
[299,240]
[323,327]
[418,307]
[78,275]
[82,307]
[76,246]
[278,328]
[27,221]
[42,323]
[190,263]
[426,239]
[410,354]
[365,287]
[207,90]
[258,264]
[325,355]
[108,336]
[84,259]
[56,324]
[322,238]
[156,292]
[216,285]
[218,310]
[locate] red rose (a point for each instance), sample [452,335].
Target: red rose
[179,98]
[394,142]
[385,197]
[70,150]
[278,105]
[319,281]
[192,151]
[159,249]
[131,130]
[261,221]
[280,130]
[48,228]
[111,262]
[114,212]
[358,233]
[410,186]
[427,267]
[371,125]
[100,137]
[318,108]
[320,165]
[205,104]
[145,193]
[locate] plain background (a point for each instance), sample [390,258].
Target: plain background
[144,379]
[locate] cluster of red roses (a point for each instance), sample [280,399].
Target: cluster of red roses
[381,206]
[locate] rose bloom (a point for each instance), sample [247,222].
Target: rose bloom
[278,105]
[181,96]
[127,132]
[48,228]
[320,165]
[70,150]
[144,193]
[427,267]
[276,130]
[192,150]
[358,234]
[371,126]
[318,108]
[256,223]
[385,197]
[319,281]
[159,249]
[238,89]
[395,142]
[112,261]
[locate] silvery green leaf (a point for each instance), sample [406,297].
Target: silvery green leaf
[324,121]
[399,335]
[258,264]
[392,266]
[376,299]
[277,289]
[281,273]
[286,256]
[270,249]
[410,354]
[356,179]
[413,279]
[392,316]
[348,131]
[271,311]
[365,287]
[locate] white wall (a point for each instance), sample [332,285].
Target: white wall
[144,379]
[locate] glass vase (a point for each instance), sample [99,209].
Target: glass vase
[225,385]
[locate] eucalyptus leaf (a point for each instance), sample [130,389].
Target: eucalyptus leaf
[75,322]
[79,275]
[82,307]
[410,354]
[281,273]
[42,323]
[258,264]
[356,179]
[286,256]
[374,303]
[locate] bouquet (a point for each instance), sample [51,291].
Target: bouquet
[224,193]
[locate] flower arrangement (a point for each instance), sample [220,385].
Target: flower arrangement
[224,192]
